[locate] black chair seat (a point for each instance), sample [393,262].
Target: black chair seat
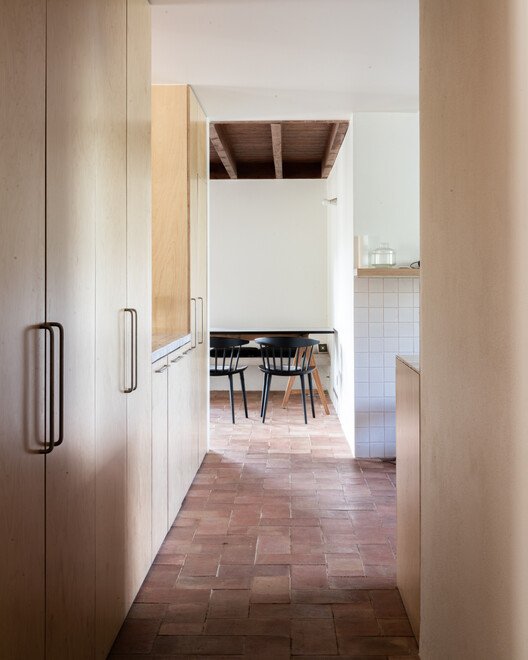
[226,370]
[292,371]
[226,354]
[286,356]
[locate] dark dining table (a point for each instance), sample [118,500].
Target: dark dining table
[254,333]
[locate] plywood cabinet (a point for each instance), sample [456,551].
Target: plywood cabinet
[180,238]
[75,140]
[408,488]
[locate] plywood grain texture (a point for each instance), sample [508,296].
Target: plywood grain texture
[170,211]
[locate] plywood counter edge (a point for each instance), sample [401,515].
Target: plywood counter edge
[388,272]
[411,361]
[173,345]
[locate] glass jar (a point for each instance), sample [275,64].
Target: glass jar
[383,256]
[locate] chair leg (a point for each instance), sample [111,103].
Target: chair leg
[266,397]
[264,385]
[310,384]
[303,392]
[243,385]
[232,397]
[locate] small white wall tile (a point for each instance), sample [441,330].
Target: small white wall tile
[377,434]
[361,330]
[375,285]
[416,299]
[405,315]
[389,360]
[361,285]
[362,449]
[416,285]
[416,330]
[361,315]
[376,375]
[390,389]
[390,419]
[390,329]
[390,314]
[406,299]
[389,374]
[375,329]
[375,299]
[361,345]
[361,359]
[406,345]
[390,299]
[362,389]
[391,345]
[362,403]
[405,285]
[361,300]
[389,404]
[416,347]
[390,285]
[376,389]
[362,420]
[375,314]
[362,435]
[377,403]
[376,419]
[376,360]
[390,449]
[390,435]
[361,375]
[376,345]
[416,313]
[406,329]
[377,450]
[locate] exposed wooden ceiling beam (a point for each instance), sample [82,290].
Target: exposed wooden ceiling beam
[335,140]
[276,143]
[217,137]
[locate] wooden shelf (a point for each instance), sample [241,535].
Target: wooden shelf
[388,272]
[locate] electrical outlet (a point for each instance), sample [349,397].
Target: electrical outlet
[323,348]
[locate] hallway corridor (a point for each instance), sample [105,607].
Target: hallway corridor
[284,547]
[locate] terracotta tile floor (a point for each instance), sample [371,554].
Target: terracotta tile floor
[284,548]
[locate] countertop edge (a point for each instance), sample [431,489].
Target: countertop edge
[163,351]
[411,361]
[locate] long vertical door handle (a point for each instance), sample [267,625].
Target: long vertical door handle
[133,350]
[201,341]
[61,383]
[193,341]
[51,394]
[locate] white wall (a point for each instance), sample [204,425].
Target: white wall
[268,254]
[341,284]
[386,180]
[268,261]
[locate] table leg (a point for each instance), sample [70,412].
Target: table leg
[318,385]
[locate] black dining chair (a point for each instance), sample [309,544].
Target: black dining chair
[286,356]
[226,355]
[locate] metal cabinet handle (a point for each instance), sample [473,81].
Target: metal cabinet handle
[193,300]
[61,382]
[162,369]
[202,331]
[133,350]
[48,327]
[177,359]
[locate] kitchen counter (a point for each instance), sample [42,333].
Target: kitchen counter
[165,345]
[412,361]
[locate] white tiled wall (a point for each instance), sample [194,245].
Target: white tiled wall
[386,324]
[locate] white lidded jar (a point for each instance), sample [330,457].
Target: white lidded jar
[383,256]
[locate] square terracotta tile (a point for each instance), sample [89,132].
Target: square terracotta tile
[270,589]
[313,637]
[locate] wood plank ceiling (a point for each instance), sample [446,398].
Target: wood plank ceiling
[275,150]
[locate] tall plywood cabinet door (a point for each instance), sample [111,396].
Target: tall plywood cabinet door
[139,260]
[159,453]
[110,299]
[22,270]
[73,160]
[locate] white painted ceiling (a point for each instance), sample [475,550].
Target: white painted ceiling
[289,59]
